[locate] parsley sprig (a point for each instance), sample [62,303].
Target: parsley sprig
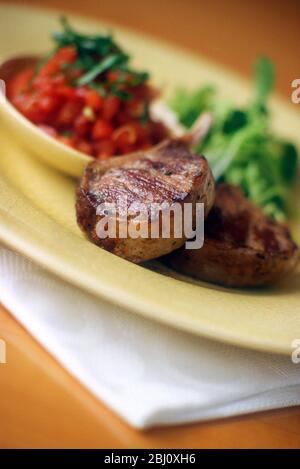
[98,54]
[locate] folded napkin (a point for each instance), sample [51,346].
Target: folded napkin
[148,373]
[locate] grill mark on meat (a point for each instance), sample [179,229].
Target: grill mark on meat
[141,182]
[234,220]
[167,174]
[136,185]
[165,179]
[230,229]
[242,246]
[268,239]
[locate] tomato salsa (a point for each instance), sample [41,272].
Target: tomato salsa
[85,94]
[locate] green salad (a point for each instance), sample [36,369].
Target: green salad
[241,147]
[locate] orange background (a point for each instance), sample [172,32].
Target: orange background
[233,32]
[41,405]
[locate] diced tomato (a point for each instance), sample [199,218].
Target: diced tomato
[47,84]
[111,106]
[124,137]
[19,83]
[136,108]
[79,116]
[82,125]
[43,84]
[48,103]
[29,106]
[113,75]
[142,132]
[59,80]
[80,91]
[101,130]
[84,146]
[65,55]
[104,149]
[121,118]
[69,112]
[93,100]
[50,68]
[66,92]
[74,73]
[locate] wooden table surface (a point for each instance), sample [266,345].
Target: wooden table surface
[41,405]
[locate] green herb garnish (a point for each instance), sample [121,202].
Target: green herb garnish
[97,55]
[108,63]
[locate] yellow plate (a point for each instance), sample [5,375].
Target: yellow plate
[37,212]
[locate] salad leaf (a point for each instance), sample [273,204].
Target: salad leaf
[188,105]
[240,147]
[234,121]
[264,80]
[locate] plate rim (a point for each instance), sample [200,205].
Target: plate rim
[36,253]
[20,241]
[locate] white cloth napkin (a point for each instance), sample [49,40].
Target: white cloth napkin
[148,373]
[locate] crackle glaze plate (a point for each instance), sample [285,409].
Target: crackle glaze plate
[37,215]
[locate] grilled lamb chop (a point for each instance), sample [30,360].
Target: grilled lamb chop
[168,173]
[242,246]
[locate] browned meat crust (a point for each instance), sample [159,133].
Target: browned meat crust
[169,173]
[242,246]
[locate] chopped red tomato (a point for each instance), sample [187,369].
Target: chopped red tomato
[105,149]
[82,126]
[125,137]
[65,55]
[19,83]
[93,100]
[68,113]
[102,117]
[102,130]
[111,106]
